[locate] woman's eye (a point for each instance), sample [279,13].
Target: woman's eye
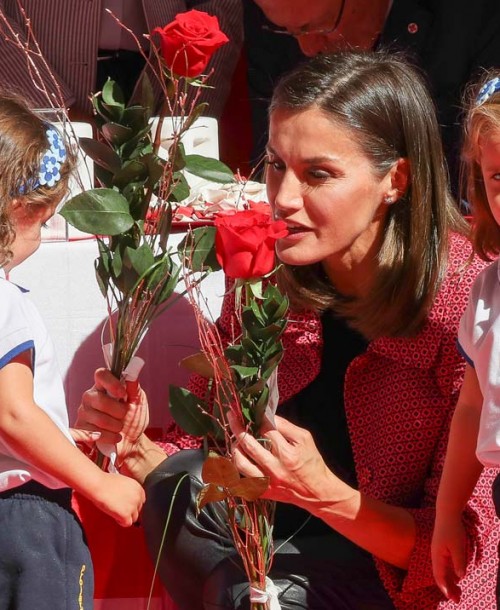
[319,174]
[496,176]
[274,164]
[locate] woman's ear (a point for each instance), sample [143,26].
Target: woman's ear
[399,175]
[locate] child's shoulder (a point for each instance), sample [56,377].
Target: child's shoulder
[10,290]
[487,281]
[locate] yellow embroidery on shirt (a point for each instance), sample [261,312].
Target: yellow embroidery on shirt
[80,595]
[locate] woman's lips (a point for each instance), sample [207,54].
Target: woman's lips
[296,232]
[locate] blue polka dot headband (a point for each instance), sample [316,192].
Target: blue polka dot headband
[487,90]
[49,172]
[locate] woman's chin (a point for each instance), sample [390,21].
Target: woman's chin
[294,256]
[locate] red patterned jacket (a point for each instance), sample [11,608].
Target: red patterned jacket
[399,399]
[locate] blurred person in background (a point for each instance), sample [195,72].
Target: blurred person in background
[450,40]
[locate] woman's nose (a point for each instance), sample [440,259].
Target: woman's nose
[286,196]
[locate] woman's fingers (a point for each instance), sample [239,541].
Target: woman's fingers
[245,465]
[87,437]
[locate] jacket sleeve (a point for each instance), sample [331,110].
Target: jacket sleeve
[416,586]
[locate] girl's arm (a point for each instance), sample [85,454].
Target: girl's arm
[30,433]
[460,474]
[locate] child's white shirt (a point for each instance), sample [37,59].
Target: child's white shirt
[479,340]
[21,329]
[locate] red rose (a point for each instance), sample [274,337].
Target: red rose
[189,41]
[244,243]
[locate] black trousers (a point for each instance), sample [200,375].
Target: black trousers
[44,559]
[200,568]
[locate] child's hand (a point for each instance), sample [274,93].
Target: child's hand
[120,497]
[449,555]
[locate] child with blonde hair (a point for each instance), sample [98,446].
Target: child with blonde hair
[474,440]
[44,560]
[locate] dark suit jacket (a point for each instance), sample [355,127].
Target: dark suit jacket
[449,39]
[452,41]
[68,34]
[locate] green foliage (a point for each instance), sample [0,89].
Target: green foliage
[189,412]
[136,270]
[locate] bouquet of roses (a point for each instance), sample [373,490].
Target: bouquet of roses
[242,374]
[131,211]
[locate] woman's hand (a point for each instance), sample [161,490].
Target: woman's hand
[298,475]
[117,410]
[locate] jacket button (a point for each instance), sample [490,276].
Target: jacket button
[412,28]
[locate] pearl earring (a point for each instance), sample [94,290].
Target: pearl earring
[388,200]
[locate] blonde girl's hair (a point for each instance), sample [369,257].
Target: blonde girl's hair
[385,104]
[23,143]
[482,118]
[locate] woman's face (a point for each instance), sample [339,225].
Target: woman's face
[324,186]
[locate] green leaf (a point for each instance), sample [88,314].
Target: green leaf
[140,259]
[255,287]
[188,412]
[132,171]
[180,188]
[103,177]
[197,249]
[198,111]
[179,159]
[101,154]
[245,372]
[250,488]
[116,134]
[135,117]
[112,94]
[98,211]
[116,263]
[208,168]
[155,167]
[137,146]
[102,275]
[219,470]
[144,94]
[170,282]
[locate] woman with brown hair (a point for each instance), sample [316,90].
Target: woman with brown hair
[378,267]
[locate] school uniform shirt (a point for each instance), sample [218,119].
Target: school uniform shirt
[399,397]
[22,329]
[479,340]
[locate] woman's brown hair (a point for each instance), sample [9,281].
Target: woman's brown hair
[385,103]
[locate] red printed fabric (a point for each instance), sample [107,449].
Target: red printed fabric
[399,400]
